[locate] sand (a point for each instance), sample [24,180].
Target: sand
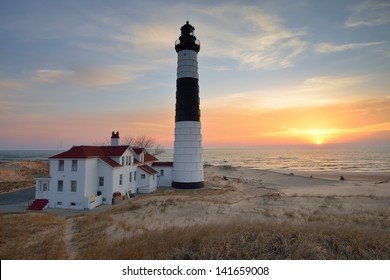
[237,193]
[20,174]
[233,196]
[241,194]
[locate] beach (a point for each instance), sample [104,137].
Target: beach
[236,193]
[297,207]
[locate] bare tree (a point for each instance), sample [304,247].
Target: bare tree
[141,141]
[146,142]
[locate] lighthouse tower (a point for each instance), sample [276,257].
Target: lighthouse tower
[187,154]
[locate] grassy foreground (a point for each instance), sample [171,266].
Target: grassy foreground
[37,236]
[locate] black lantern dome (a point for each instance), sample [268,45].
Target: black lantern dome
[187,39]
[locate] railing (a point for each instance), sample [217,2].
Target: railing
[177,42]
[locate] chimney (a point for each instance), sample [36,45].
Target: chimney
[115,138]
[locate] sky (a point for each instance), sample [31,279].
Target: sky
[280,72]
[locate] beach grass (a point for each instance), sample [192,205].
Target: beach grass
[261,240]
[31,236]
[240,214]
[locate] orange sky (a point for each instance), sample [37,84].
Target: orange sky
[361,121]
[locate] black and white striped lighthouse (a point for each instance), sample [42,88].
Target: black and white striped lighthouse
[187,154]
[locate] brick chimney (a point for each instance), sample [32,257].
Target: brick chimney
[115,138]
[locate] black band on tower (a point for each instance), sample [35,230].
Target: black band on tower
[187,100]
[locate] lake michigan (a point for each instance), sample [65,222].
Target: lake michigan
[304,158]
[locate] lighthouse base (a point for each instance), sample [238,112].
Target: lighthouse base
[187,185]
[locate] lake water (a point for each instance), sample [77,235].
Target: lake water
[320,158]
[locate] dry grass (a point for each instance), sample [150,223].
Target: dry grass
[261,240]
[277,227]
[20,174]
[100,236]
[31,236]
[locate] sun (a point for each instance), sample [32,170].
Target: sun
[318,136]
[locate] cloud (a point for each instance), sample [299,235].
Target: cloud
[326,83]
[86,76]
[369,13]
[251,36]
[11,85]
[51,76]
[100,76]
[329,123]
[317,90]
[148,37]
[332,48]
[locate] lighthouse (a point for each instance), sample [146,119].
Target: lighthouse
[187,154]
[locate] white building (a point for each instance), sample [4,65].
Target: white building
[87,176]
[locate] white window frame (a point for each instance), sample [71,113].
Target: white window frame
[73,186]
[74,165]
[101,181]
[61,164]
[60,185]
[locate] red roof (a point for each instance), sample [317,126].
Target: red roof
[102,152]
[163,163]
[147,157]
[148,169]
[138,151]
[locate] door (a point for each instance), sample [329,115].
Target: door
[43,190]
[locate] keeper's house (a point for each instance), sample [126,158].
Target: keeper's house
[87,176]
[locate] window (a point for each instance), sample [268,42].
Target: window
[74,165]
[59,202]
[142,176]
[162,172]
[60,186]
[130,176]
[73,186]
[135,175]
[101,181]
[61,165]
[73,204]
[45,186]
[120,179]
[123,161]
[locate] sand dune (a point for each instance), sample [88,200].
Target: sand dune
[241,213]
[20,174]
[235,193]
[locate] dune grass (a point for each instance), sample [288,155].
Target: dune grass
[260,240]
[100,236]
[31,236]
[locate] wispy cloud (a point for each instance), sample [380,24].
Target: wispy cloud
[369,13]
[150,37]
[332,48]
[312,91]
[339,122]
[100,76]
[51,76]
[10,85]
[86,76]
[251,36]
